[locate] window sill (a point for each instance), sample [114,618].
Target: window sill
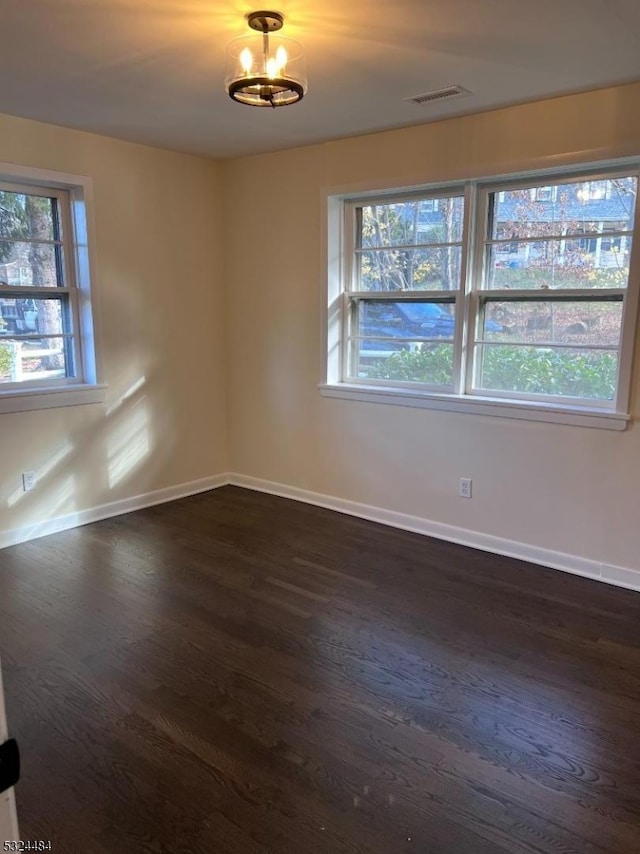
[600,418]
[24,400]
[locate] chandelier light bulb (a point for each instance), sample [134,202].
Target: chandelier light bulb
[281,58]
[246,60]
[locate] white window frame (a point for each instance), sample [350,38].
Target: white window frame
[336,381]
[74,195]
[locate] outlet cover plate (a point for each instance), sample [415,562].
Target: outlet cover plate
[464,490]
[28,480]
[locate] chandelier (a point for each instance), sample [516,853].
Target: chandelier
[265,70]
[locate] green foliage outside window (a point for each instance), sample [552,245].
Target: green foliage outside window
[5,359]
[540,371]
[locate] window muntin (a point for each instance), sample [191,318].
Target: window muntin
[537,301]
[39,343]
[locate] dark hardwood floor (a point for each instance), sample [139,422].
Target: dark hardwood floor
[236,673]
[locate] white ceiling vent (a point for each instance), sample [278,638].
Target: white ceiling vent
[438,95]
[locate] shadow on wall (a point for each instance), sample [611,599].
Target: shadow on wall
[126,438]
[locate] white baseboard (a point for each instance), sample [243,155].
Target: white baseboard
[13,536]
[617,575]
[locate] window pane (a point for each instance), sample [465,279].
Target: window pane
[411,222]
[410,320]
[24,215]
[429,364]
[588,323]
[564,208]
[566,372]
[410,269]
[41,359]
[29,316]
[589,262]
[30,264]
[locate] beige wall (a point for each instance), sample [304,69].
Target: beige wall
[569,489]
[243,343]
[157,297]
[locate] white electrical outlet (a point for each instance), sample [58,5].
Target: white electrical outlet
[28,480]
[464,490]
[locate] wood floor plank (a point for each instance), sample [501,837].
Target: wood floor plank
[237,673]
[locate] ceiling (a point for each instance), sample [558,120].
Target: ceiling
[151,71]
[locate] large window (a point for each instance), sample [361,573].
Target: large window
[46,341]
[515,293]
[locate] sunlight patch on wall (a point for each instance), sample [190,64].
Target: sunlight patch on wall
[128,444]
[126,395]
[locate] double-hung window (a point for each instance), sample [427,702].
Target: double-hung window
[550,313]
[405,290]
[517,297]
[46,339]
